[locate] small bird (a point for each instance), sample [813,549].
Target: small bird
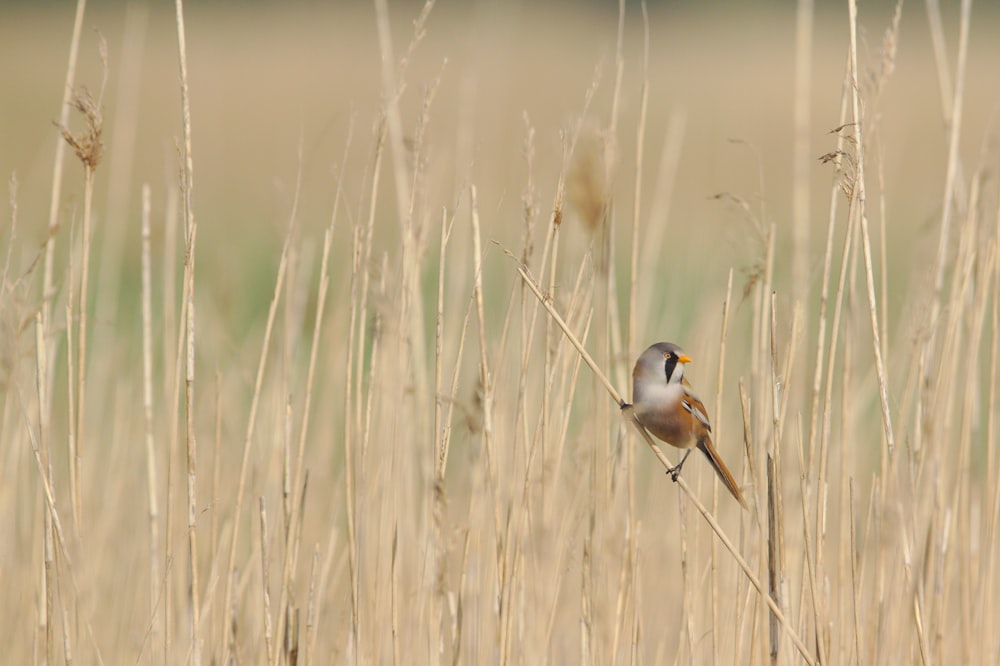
[664,404]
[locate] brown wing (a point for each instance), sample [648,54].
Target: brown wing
[696,409]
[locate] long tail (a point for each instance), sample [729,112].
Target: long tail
[720,467]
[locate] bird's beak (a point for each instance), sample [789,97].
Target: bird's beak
[684,359]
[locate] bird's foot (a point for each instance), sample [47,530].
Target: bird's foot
[675,471]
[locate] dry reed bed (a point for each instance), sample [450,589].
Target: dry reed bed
[423,463]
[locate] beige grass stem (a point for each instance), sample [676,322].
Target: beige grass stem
[48,289]
[265,576]
[859,193]
[46,620]
[628,575]
[351,396]
[71,401]
[295,518]
[81,352]
[187,186]
[713,554]
[230,572]
[152,485]
[81,615]
[485,376]
[438,500]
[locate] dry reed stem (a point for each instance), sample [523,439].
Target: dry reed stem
[311,606]
[369,477]
[776,563]
[354,399]
[485,376]
[265,582]
[954,118]
[88,146]
[775,556]
[349,434]
[48,581]
[824,291]
[393,594]
[946,91]
[170,350]
[81,371]
[12,189]
[587,640]
[883,252]
[990,479]
[987,600]
[80,614]
[190,229]
[566,392]
[637,604]
[624,593]
[174,387]
[293,315]
[749,469]
[859,194]
[613,346]
[214,519]
[48,288]
[627,584]
[391,92]
[295,517]
[823,434]
[810,584]
[517,548]
[191,452]
[70,403]
[976,265]
[229,600]
[291,483]
[763,288]
[855,579]
[147,408]
[361,258]
[803,651]
[549,260]
[713,553]
[440,463]
[936,30]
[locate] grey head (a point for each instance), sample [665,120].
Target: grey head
[660,365]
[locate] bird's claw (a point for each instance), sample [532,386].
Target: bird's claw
[675,471]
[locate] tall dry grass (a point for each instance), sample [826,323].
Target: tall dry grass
[421,452]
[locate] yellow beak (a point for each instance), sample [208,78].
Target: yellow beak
[684,359]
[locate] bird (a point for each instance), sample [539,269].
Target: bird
[663,403]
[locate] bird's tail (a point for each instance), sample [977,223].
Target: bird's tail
[720,467]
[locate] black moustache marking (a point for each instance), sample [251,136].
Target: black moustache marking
[669,365]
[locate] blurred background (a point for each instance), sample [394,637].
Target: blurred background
[273,81]
[286,101]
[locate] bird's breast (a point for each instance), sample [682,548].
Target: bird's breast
[657,408]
